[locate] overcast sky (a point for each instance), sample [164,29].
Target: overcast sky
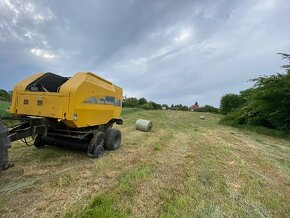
[169,51]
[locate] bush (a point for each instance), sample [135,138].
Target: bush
[5,96]
[231,102]
[267,104]
[209,109]
[147,106]
[3,108]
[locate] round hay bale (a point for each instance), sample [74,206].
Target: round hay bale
[143,125]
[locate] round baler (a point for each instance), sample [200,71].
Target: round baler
[73,112]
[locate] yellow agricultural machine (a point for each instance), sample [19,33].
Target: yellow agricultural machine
[73,112]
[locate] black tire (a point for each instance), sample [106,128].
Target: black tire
[113,139]
[38,142]
[99,151]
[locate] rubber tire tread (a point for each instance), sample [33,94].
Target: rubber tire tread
[99,151]
[110,139]
[38,142]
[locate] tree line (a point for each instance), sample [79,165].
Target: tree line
[141,103]
[266,104]
[151,105]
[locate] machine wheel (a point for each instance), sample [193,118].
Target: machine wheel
[38,142]
[112,139]
[99,151]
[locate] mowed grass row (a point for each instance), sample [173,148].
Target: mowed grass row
[199,173]
[184,167]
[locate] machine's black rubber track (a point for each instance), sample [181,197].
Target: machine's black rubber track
[66,142]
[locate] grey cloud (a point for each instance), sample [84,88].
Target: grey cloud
[166,51]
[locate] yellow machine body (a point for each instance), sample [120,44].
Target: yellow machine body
[81,101]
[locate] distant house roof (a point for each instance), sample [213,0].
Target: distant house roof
[194,107]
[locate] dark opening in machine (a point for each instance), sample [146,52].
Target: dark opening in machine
[49,82]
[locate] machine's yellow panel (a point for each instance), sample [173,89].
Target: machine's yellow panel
[42,104]
[80,101]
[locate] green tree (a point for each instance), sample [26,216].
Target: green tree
[286,57]
[165,106]
[142,101]
[4,95]
[183,108]
[155,105]
[147,106]
[208,108]
[270,101]
[230,102]
[130,102]
[267,103]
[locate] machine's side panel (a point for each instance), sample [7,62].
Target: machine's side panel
[42,104]
[93,101]
[20,87]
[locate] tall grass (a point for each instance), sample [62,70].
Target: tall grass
[3,108]
[127,110]
[257,129]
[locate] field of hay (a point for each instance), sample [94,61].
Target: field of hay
[184,167]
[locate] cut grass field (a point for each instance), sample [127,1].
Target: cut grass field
[184,167]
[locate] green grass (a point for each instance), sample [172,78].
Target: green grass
[107,204]
[128,110]
[3,108]
[258,129]
[157,146]
[183,167]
